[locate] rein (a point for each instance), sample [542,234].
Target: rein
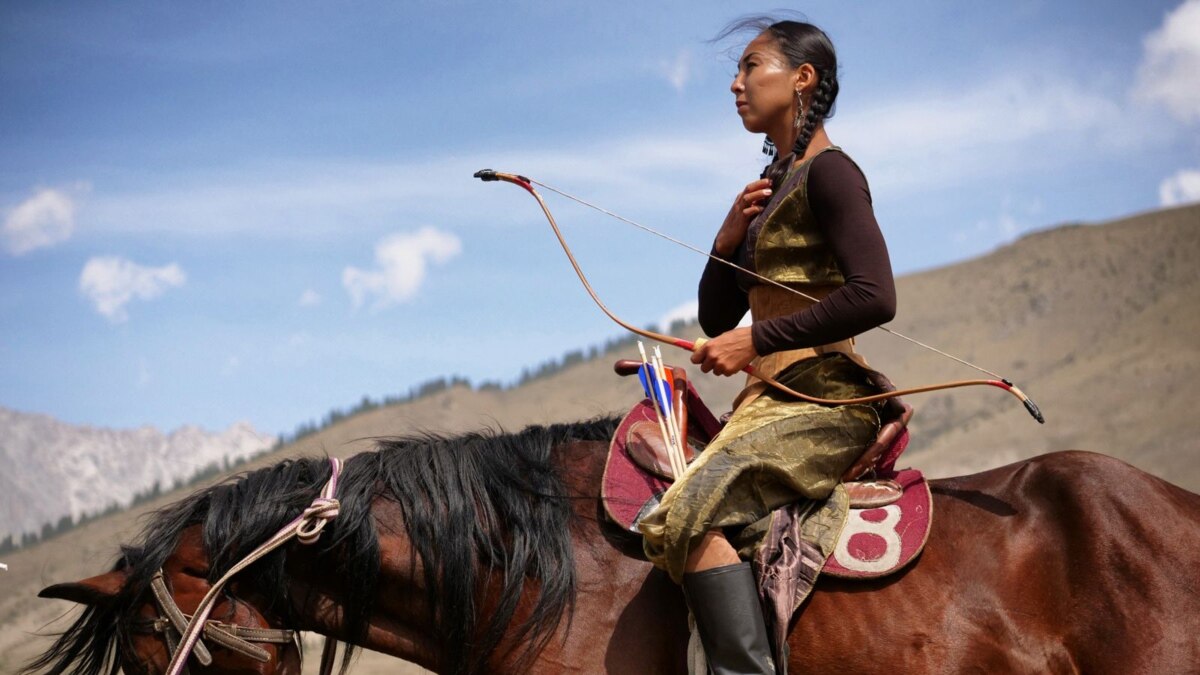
[307,528]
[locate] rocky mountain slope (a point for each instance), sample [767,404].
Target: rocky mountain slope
[50,469]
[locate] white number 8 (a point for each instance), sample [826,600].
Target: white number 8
[885,528]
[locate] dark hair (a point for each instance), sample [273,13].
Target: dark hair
[801,43]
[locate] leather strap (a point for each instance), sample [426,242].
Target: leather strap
[231,636]
[178,620]
[306,527]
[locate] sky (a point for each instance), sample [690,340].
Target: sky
[222,211]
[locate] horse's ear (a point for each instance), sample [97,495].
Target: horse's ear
[89,591]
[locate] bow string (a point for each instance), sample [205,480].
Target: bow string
[489,175]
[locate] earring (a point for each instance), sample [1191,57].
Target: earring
[769,148]
[799,121]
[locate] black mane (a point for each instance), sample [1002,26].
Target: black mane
[480,505]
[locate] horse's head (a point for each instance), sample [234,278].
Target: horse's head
[133,618]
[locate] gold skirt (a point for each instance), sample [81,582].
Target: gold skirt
[774,451]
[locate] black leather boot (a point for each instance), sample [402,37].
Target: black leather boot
[729,618]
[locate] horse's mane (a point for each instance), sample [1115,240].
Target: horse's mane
[488,503]
[481,505]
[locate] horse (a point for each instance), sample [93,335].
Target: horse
[490,553]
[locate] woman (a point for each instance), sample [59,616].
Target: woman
[807,223]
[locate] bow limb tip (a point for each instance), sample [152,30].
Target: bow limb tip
[490,175]
[1029,404]
[1034,410]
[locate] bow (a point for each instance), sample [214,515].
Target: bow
[489,175]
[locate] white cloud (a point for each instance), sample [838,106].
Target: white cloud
[929,139]
[295,201]
[45,219]
[309,298]
[1182,188]
[688,312]
[677,71]
[111,283]
[685,312]
[1170,68]
[984,129]
[1014,219]
[144,378]
[987,234]
[403,264]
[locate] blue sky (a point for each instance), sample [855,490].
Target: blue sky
[219,211]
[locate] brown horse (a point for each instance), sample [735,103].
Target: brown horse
[490,553]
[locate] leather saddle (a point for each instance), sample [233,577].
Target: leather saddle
[644,445]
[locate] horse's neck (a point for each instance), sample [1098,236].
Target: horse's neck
[399,623]
[628,617]
[625,613]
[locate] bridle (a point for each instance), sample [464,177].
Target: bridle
[182,632]
[172,622]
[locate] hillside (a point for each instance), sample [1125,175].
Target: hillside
[1097,322]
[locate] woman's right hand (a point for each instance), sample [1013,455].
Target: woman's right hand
[748,204]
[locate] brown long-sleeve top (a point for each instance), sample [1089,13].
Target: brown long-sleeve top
[841,202]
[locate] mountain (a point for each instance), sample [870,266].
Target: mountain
[50,469]
[1097,322]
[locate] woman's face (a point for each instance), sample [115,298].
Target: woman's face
[765,87]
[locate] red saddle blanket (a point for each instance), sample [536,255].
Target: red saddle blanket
[629,489]
[875,541]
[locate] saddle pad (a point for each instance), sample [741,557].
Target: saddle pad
[878,541]
[626,487]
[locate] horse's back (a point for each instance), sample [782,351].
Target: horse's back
[1067,562]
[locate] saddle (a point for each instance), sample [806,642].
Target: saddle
[889,515]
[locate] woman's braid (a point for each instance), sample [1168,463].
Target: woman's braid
[818,109]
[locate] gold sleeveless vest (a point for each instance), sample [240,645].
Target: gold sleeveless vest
[791,248]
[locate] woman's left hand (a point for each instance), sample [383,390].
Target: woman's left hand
[726,354]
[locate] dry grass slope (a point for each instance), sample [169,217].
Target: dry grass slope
[1098,323]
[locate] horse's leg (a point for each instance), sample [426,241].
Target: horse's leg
[1052,565]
